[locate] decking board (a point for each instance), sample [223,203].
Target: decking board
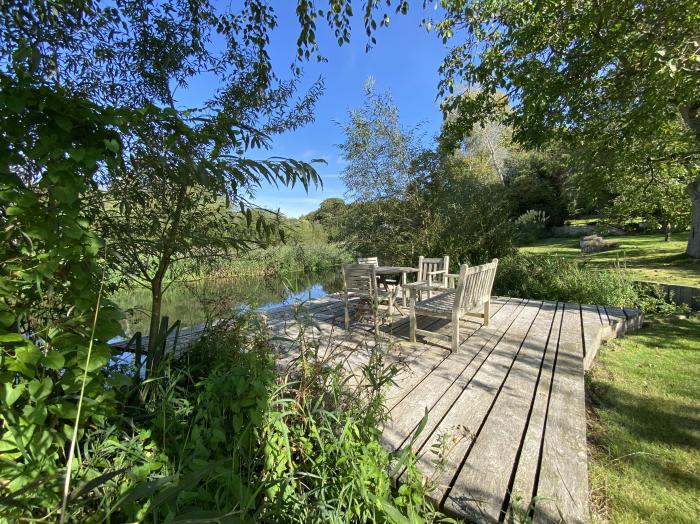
[562,486]
[524,476]
[434,393]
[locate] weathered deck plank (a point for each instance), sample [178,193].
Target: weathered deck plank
[473,404]
[437,391]
[410,380]
[524,476]
[563,477]
[592,333]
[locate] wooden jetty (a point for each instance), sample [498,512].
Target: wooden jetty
[508,405]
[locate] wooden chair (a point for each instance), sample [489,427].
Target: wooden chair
[433,272]
[473,292]
[374,261]
[360,280]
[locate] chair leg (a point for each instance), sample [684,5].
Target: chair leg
[412,319]
[347,316]
[376,317]
[487,312]
[455,334]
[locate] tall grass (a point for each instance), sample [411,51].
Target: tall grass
[279,260]
[221,434]
[561,279]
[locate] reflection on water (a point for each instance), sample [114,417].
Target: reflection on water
[207,299]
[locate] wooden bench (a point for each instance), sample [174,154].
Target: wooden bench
[473,292]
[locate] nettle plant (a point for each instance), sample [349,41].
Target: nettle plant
[52,147]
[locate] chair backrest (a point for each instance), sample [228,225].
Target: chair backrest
[360,279]
[372,261]
[474,285]
[427,265]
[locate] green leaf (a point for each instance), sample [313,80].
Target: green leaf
[54,360]
[28,354]
[40,389]
[64,409]
[112,145]
[7,318]
[14,211]
[12,393]
[12,337]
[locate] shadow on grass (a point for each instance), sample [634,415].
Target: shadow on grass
[643,423]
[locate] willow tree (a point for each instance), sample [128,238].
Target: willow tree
[599,72]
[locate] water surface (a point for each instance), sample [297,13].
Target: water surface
[207,299]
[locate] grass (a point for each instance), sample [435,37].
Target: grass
[581,221]
[644,426]
[647,257]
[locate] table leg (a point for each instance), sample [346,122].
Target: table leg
[403,288]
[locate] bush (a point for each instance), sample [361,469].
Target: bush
[531,226]
[219,434]
[561,279]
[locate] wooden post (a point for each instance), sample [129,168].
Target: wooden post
[403,287]
[455,330]
[347,313]
[487,311]
[412,315]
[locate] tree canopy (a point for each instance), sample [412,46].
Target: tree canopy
[606,73]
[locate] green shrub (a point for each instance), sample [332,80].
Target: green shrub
[531,226]
[561,279]
[220,434]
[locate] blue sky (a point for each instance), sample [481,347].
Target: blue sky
[405,61]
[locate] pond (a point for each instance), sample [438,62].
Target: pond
[208,299]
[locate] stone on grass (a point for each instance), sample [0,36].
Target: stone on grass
[596,244]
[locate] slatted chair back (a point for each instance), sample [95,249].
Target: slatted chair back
[359,279]
[474,285]
[426,266]
[372,261]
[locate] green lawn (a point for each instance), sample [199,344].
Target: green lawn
[644,426]
[647,257]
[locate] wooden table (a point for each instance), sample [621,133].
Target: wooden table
[396,270]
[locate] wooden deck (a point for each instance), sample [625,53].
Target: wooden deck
[509,404]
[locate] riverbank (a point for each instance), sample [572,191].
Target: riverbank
[284,259]
[200,300]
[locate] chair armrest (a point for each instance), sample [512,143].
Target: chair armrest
[451,279]
[423,286]
[437,272]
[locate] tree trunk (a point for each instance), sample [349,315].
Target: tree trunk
[154,328]
[691,117]
[667,232]
[693,248]
[170,241]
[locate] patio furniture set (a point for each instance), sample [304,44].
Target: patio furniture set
[436,293]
